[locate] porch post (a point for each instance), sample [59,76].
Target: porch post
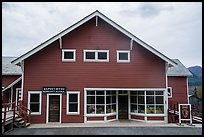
[11,95]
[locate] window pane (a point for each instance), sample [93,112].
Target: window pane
[68,55]
[133,108]
[73,97]
[91,100]
[100,109]
[159,100]
[150,109]
[133,92]
[123,56]
[99,99]
[149,92]
[150,99]
[108,99]
[140,99]
[159,109]
[91,92]
[113,109]
[133,99]
[159,92]
[108,108]
[34,107]
[90,55]
[102,55]
[113,99]
[99,92]
[141,109]
[73,107]
[140,92]
[108,92]
[90,109]
[34,97]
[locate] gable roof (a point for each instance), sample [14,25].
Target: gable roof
[179,70]
[8,68]
[82,21]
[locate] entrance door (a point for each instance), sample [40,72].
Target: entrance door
[123,107]
[54,108]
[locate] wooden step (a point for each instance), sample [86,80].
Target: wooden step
[18,119]
[27,124]
[21,122]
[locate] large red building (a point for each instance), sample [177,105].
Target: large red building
[96,70]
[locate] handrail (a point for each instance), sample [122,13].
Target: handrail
[24,112]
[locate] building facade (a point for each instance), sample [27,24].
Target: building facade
[95,71]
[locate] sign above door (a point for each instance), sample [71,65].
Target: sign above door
[54,90]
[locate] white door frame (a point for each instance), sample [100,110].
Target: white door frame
[47,112]
[17,94]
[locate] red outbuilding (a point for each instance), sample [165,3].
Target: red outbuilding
[96,71]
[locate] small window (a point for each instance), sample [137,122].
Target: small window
[123,56]
[96,55]
[169,92]
[68,55]
[34,102]
[73,105]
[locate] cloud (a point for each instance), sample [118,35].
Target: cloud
[173,28]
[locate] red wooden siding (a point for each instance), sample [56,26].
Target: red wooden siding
[137,117]
[155,118]
[95,118]
[111,117]
[46,68]
[179,89]
[8,79]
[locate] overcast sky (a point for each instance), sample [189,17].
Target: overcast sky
[173,28]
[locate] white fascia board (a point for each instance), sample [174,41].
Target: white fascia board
[13,83]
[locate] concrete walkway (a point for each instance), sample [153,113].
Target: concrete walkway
[125,123]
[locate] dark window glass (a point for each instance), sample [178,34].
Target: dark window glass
[90,92]
[34,98]
[91,100]
[108,99]
[113,99]
[68,55]
[99,99]
[159,100]
[34,107]
[73,97]
[102,55]
[140,92]
[73,107]
[159,92]
[90,55]
[134,108]
[140,99]
[150,92]
[133,99]
[150,99]
[99,92]
[123,56]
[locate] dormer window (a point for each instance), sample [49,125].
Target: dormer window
[96,55]
[68,55]
[123,56]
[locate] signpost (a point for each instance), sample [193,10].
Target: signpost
[185,113]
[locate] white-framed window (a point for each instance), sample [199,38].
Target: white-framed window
[68,55]
[123,56]
[169,92]
[100,102]
[35,102]
[96,55]
[152,101]
[73,102]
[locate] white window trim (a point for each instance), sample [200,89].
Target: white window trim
[123,51]
[78,94]
[69,60]
[96,56]
[170,92]
[35,92]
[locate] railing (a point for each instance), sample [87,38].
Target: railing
[14,110]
